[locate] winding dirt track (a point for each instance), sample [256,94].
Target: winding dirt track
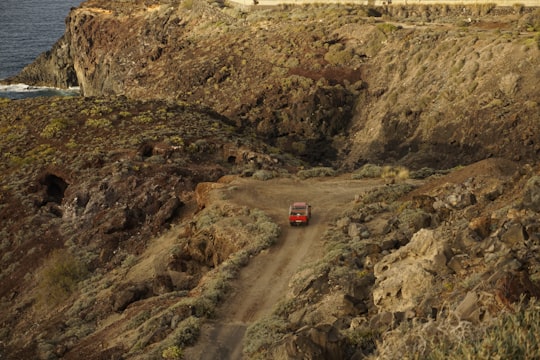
[264,281]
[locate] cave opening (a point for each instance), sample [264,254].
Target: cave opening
[55,188]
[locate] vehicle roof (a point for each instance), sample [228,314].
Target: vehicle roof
[300,204]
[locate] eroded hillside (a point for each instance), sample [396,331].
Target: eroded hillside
[334,84]
[86,183]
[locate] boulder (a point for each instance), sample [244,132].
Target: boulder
[515,235]
[514,285]
[481,226]
[460,200]
[125,295]
[202,192]
[167,212]
[322,341]
[469,309]
[403,276]
[531,194]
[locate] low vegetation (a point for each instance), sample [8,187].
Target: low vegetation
[512,335]
[316,172]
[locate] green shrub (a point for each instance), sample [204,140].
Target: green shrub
[144,118]
[98,123]
[387,28]
[55,127]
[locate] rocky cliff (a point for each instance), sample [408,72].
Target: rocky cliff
[334,84]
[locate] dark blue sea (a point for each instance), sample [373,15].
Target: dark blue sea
[28,28]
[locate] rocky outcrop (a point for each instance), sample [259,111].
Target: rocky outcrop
[52,68]
[409,271]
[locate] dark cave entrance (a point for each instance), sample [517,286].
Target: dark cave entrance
[55,188]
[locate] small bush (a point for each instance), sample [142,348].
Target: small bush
[172,352]
[362,338]
[316,172]
[139,319]
[339,55]
[263,333]
[395,172]
[59,277]
[388,193]
[367,171]
[426,172]
[187,331]
[263,175]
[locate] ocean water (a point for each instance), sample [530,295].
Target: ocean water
[28,28]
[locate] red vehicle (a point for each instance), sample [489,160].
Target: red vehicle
[299,213]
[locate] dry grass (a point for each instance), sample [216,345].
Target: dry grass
[395,172]
[513,335]
[59,277]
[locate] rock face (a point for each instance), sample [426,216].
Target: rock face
[52,68]
[332,87]
[409,271]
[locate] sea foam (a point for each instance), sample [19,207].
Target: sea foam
[22,91]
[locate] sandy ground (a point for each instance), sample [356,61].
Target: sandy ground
[264,281]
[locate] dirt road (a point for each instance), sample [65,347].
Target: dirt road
[264,281]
